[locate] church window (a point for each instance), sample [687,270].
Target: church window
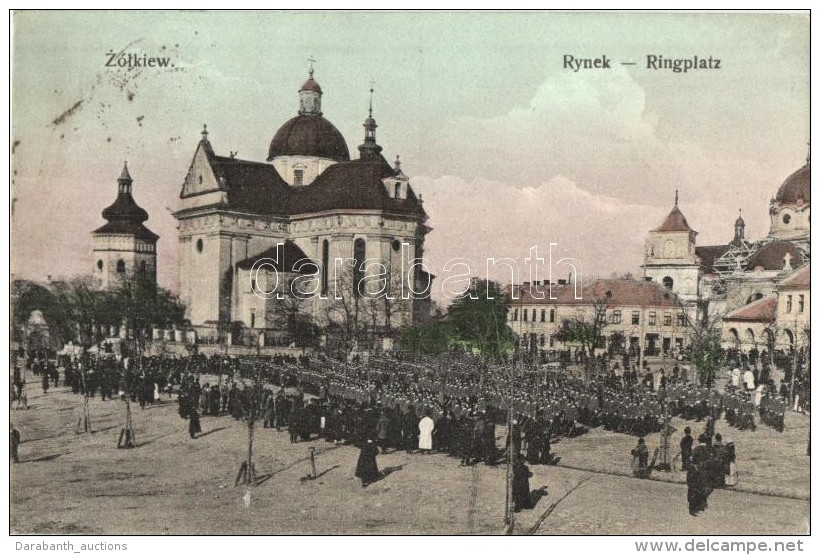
[100,265]
[653,319]
[120,266]
[325,264]
[668,282]
[801,303]
[397,191]
[786,219]
[298,177]
[789,303]
[199,245]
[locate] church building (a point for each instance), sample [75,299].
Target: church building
[309,213]
[740,282]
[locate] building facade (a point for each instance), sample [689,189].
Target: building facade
[325,212]
[638,317]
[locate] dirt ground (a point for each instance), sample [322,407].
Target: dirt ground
[67,483]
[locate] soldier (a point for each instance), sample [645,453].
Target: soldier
[686,448]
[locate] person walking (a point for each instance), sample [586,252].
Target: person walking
[194,427]
[521,485]
[640,464]
[14,444]
[366,467]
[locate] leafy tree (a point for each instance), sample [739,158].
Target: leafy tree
[430,338]
[26,297]
[704,337]
[479,319]
[585,329]
[140,304]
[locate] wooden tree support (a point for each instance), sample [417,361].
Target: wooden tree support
[246,475]
[127,439]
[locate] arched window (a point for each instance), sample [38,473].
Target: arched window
[325,264]
[100,265]
[789,337]
[786,219]
[669,249]
[120,266]
[359,248]
[199,245]
[668,282]
[397,191]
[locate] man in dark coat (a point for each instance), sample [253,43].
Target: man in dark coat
[697,478]
[686,448]
[521,485]
[193,423]
[366,468]
[641,455]
[719,466]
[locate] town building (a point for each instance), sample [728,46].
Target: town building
[637,317]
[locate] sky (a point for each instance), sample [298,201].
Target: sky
[509,148]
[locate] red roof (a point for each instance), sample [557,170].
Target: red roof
[762,310]
[772,256]
[800,279]
[615,292]
[675,221]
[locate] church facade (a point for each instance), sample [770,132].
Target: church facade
[346,230]
[741,283]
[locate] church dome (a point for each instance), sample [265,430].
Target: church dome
[773,255]
[311,85]
[309,135]
[796,188]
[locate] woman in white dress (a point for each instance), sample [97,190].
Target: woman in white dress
[426,427]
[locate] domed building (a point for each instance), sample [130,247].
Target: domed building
[250,231]
[123,247]
[741,279]
[790,208]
